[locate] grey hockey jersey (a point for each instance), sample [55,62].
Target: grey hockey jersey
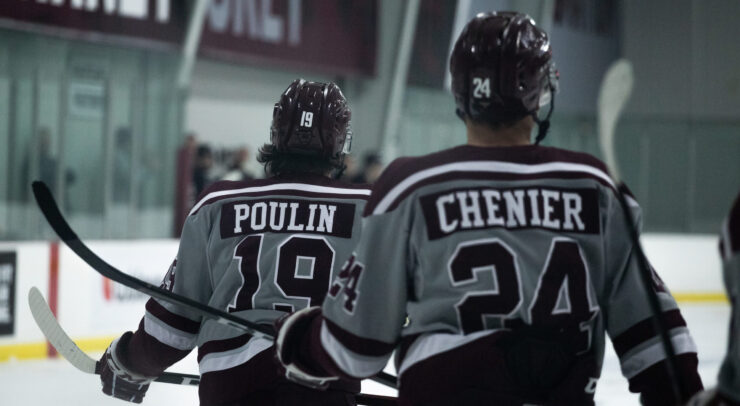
[463,248]
[257,249]
[729,375]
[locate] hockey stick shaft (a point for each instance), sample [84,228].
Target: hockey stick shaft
[54,217]
[616,89]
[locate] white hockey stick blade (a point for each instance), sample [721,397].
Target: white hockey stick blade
[55,334]
[616,88]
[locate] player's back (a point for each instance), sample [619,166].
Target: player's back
[492,226]
[272,246]
[507,238]
[278,240]
[499,253]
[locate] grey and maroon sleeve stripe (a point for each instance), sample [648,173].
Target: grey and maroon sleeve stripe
[162,339]
[338,352]
[642,358]
[149,356]
[170,328]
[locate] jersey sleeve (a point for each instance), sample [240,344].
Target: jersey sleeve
[629,317]
[167,333]
[365,308]
[729,375]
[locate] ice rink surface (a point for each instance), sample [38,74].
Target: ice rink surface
[57,383]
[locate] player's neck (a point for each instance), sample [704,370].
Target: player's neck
[481,135]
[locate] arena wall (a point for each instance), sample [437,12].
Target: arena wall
[94,310]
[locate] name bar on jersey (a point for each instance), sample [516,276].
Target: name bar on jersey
[569,210]
[287,216]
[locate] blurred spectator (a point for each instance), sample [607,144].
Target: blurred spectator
[371,169]
[41,165]
[184,190]
[202,168]
[122,165]
[237,168]
[47,163]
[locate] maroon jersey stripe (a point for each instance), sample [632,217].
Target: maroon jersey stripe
[259,382]
[402,168]
[171,319]
[483,368]
[654,383]
[222,345]
[150,356]
[405,344]
[360,345]
[644,330]
[225,186]
[452,176]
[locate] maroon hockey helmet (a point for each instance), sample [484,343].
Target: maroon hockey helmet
[312,118]
[502,69]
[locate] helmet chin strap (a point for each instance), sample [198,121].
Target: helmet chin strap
[543,125]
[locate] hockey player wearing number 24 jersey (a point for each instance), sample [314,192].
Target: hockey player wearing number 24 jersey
[511,260]
[257,249]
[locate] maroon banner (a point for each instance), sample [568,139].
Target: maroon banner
[334,36]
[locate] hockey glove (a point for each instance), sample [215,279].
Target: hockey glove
[291,329]
[117,380]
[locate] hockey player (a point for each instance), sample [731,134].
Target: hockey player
[493,269]
[258,249]
[727,392]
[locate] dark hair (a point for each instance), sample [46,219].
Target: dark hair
[203,151]
[279,163]
[371,158]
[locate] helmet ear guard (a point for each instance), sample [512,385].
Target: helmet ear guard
[552,87]
[547,97]
[347,147]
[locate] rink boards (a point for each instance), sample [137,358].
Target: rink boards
[93,310]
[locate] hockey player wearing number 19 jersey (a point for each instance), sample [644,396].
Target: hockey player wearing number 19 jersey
[494,269]
[257,249]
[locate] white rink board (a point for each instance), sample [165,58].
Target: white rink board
[687,263]
[90,306]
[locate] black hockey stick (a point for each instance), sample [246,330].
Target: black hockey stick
[616,88]
[79,359]
[48,206]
